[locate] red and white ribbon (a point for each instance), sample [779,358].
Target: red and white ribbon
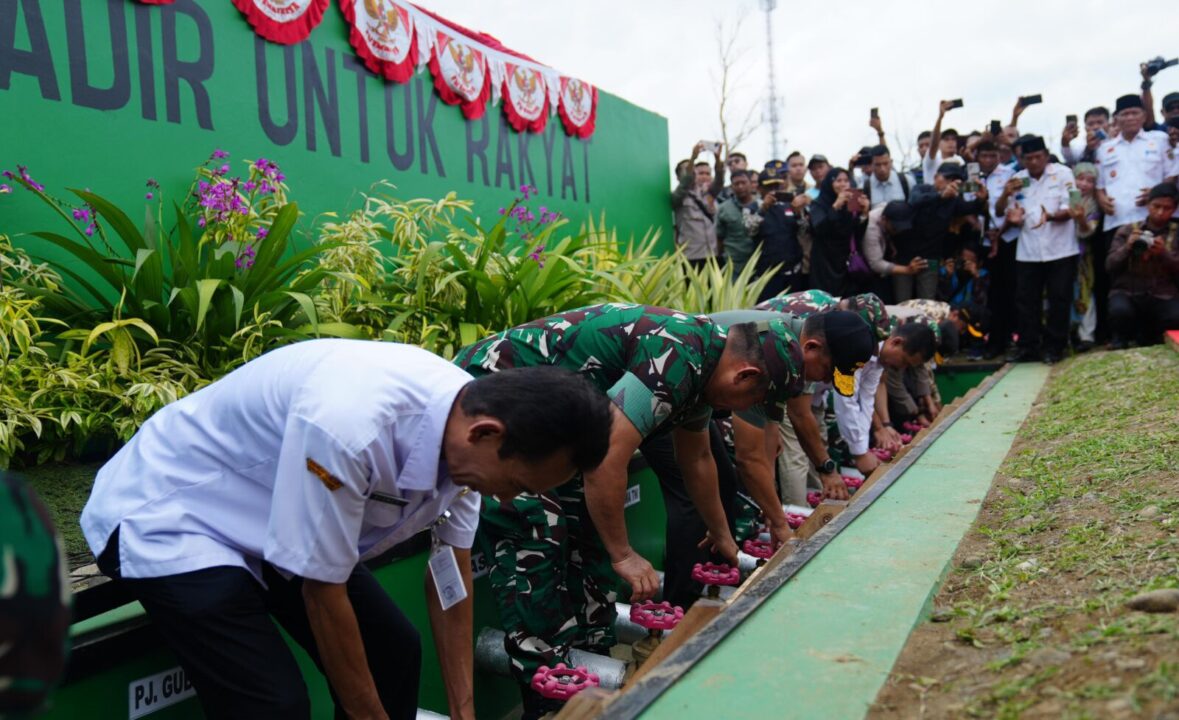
[526,98]
[577,107]
[461,75]
[382,33]
[283,21]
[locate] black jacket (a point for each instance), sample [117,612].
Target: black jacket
[778,239]
[931,223]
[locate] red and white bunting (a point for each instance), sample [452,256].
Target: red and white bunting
[526,98]
[382,33]
[578,107]
[283,21]
[461,76]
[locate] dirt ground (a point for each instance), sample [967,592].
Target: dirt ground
[1083,515]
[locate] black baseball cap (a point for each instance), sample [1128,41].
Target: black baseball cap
[1170,99]
[900,214]
[816,159]
[952,171]
[851,342]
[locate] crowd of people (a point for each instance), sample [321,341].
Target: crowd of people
[1046,247]
[262,495]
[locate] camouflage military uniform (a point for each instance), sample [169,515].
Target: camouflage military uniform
[804,304]
[34,603]
[552,576]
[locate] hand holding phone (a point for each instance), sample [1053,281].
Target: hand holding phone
[1027,100]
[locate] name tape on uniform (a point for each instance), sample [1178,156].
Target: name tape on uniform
[156,692]
[632,496]
[479,565]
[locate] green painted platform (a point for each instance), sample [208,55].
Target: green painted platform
[823,644]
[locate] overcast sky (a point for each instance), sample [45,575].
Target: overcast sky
[835,60]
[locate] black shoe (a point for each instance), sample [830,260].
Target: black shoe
[1082,346]
[1118,344]
[1051,358]
[1021,355]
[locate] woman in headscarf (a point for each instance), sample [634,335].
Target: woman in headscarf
[835,220]
[1087,215]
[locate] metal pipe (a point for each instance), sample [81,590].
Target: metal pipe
[490,656]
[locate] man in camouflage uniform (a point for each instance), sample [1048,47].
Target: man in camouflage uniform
[912,392]
[665,371]
[835,345]
[34,600]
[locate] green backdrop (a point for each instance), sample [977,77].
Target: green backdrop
[104,94]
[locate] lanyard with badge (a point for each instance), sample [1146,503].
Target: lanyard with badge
[444,569]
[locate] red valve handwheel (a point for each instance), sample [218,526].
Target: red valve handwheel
[561,682]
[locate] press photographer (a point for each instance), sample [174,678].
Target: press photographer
[1143,265]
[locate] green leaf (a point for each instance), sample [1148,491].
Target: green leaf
[114,217]
[334,329]
[308,306]
[93,260]
[185,260]
[205,290]
[149,275]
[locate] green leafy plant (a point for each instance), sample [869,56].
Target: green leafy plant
[226,257]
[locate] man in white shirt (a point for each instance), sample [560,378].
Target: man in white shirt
[1046,254]
[1129,164]
[262,494]
[1000,237]
[884,184]
[943,145]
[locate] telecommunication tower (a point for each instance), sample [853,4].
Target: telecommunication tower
[771,112]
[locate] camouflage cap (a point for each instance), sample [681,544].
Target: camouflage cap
[871,309]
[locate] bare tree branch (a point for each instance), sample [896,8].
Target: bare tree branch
[737,120]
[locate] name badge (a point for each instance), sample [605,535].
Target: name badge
[388,499]
[448,581]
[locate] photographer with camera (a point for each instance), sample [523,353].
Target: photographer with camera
[1143,264]
[943,144]
[935,206]
[778,234]
[1096,130]
[694,204]
[1149,69]
[1131,162]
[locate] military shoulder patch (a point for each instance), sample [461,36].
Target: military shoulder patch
[331,482]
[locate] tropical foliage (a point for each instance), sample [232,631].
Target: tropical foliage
[140,314]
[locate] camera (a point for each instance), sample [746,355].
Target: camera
[1100,134]
[1154,65]
[784,197]
[1145,240]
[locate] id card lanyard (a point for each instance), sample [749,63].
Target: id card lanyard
[444,569]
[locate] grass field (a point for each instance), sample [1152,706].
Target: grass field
[1084,514]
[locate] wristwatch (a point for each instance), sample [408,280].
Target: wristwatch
[827,467]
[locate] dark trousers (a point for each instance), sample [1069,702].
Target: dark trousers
[218,622]
[1141,317]
[1100,249]
[1033,280]
[685,528]
[1002,298]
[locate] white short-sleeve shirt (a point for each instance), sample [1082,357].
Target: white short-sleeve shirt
[312,457]
[995,183]
[1040,240]
[1126,167]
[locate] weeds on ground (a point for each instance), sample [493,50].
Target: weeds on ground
[1084,515]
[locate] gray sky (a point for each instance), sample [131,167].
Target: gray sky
[835,60]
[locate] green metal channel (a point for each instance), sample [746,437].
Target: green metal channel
[824,643]
[105,694]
